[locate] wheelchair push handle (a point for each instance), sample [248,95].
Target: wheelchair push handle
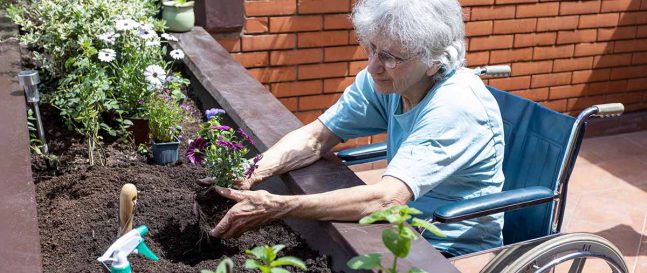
[609,109]
[493,70]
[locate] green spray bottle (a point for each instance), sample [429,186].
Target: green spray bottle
[118,252]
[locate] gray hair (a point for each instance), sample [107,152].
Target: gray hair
[432,28]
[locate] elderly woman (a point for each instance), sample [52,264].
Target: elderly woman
[444,129]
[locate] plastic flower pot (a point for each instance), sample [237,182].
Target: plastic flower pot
[166,152]
[178,17]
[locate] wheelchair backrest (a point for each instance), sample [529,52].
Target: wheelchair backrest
[535,145]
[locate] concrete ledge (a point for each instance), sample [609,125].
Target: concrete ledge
[19,240]
[253,108]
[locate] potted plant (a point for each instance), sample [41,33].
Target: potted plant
[165,120]
[179,15]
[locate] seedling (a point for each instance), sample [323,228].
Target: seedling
[225,266]
[397,239]
[266,260]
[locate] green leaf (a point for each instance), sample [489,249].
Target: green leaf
[289,260]
[374,217]
[412,211]
[416,270]
[225,266]
[258,252]
[206,271]
[417,222]
[278,248]
[252,264]
[279,270]
[368,261]
[399,246]
[408,233]
[270,255]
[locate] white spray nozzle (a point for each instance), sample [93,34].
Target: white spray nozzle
[133,241]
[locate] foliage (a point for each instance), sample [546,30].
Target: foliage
[165,118]
[266,260]
[225,266]
[221,150]
[397,239]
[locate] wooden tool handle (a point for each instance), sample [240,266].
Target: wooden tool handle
[127,202]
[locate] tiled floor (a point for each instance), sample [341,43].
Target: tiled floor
[607,196]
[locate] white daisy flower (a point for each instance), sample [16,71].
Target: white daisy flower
[145,26]
[155,75]
[169,37]
[126,24]
[107,55]
[177,54]
[109,37]
[153,43]
[146,33]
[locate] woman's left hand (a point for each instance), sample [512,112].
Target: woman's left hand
[254,208]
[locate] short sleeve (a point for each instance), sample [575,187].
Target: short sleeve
[359,112]
[442,143]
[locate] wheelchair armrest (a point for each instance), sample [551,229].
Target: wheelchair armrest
[368,153]
[493,203]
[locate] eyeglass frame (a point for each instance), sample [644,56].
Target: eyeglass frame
[385,57]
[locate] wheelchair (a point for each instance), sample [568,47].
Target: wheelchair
[541,147]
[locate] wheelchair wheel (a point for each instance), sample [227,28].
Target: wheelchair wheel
[575,248]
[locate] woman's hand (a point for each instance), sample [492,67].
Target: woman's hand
[254,208]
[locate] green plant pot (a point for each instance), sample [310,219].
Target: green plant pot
[166,152]
[179,18]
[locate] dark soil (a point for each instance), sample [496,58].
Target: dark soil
[78,211]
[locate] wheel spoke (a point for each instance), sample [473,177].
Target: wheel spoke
[577,266]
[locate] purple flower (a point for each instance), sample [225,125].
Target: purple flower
[213,111]
[140,102]
[237,146]
[195,151]
[224,143]
[254,166]
[246,136]
[221,127]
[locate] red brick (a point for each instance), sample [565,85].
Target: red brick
[510,55]
[531,68]
[567,91]
[535,94]
[639,58]
[557,23]
[344,53]
[619,5]
[273,74]
[609,60]
[511,83]
[641,31]
[630,45]
[593,49]
[337,21]
[291,103]
[295,23]
[317,102]
[552,52]
[514,26]
[552,79]
[270,7]
[352,38]
[619,33]
[637,84]
[629,72]
[478,58]
[633,18]
[537,10]
[299,88]
[269,41]
[326,70]
[626,98]
[495,12]
[599,20]
[309,116]
[503,2]
[231,45]
[252,59]
[574,64]
[478,28]
[324,38]
[581,103]
[467,3]
[577,36]
[607,87]
[356,67]
[579,7]
[328,6]
[590,76]
[256,25]
[491,42]
[556,105]
[534,39]
[297,56]
[337,84]
[467,14]
[643,6]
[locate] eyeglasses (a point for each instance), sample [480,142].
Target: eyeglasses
[386,58]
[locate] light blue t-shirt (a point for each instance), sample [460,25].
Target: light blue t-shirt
[448,147]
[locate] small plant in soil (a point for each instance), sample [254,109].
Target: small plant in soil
[221,150]
[266,260]
[225,266]
[397,239]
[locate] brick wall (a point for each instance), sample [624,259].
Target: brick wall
[564,54]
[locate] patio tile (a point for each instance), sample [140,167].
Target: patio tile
[601,149]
